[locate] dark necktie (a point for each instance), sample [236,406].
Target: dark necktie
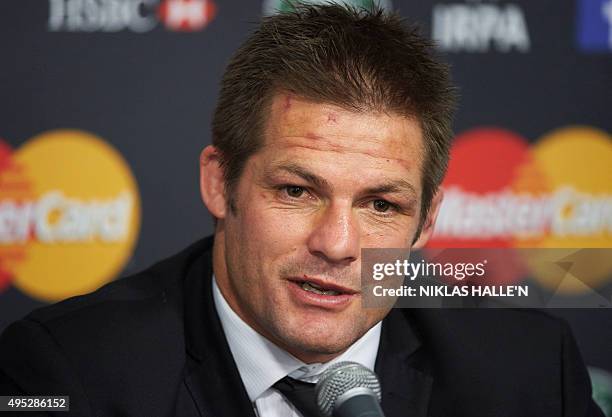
[300,394]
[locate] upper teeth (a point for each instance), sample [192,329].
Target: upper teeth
[312,287]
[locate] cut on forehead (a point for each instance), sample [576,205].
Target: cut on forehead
[298,122]
[283,100]
[284,103]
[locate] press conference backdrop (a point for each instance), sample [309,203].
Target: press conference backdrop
[106,104]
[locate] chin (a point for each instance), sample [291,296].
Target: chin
[318,347]
[319,338]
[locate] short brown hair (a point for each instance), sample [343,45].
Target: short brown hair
[362,60]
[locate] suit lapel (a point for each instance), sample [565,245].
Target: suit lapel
[211,376]
[403,368]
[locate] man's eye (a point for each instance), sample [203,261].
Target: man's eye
[294,191]
[382,206]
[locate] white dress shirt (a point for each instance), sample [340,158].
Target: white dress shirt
[261,363]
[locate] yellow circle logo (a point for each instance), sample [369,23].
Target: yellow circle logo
[69,214]
[577,164]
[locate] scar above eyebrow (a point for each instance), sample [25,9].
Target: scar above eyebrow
[312,136]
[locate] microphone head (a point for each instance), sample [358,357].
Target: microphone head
[340,378]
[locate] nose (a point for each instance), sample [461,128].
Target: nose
[335,237]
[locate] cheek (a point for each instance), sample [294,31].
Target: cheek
[266,238]
[399,236]
[265,221]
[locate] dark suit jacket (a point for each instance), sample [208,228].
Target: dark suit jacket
[152,345]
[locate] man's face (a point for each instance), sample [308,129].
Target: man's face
[327,183]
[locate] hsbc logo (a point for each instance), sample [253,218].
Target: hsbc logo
[137,16]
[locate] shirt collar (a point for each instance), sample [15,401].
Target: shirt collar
[261,363]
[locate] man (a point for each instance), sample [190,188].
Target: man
[331,135]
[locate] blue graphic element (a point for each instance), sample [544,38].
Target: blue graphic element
[595,25]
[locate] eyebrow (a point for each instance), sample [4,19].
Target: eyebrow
[390,187]
[295,169]
[394,187]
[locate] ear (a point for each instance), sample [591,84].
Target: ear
[212,183]
[430,221]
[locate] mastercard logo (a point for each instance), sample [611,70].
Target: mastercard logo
[69,214]
[502,191]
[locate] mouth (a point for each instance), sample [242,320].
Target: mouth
[322,286]
[321,292]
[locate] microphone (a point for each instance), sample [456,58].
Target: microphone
[349,389]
